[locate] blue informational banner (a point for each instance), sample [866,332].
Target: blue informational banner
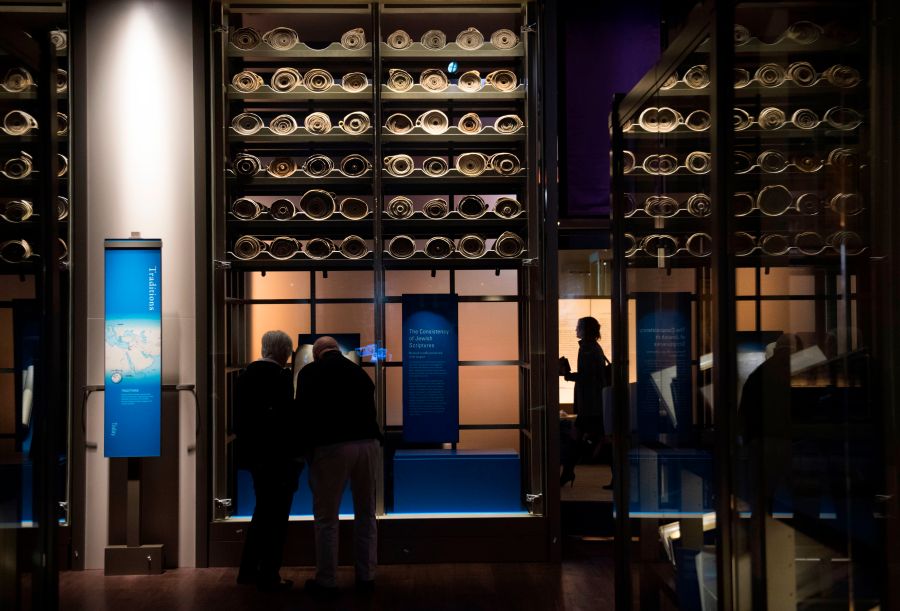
[133,348]
[430,368]
[663,364]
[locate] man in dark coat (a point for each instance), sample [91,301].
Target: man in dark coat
[266,427]
[337,403]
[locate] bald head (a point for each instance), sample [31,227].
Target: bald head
[324,344]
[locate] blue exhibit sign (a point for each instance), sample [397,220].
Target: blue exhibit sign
[663,364]
[133,348]
[430,368]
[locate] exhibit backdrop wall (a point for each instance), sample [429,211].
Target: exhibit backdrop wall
[141,178]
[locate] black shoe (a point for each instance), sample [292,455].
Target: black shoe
[365,586]
[317,590]
[275,586]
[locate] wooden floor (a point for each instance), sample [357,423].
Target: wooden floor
[584,580]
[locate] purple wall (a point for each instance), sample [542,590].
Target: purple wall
[606,48]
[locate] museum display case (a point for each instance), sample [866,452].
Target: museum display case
[746,324]
[374,161]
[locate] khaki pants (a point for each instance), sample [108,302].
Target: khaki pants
[331,467]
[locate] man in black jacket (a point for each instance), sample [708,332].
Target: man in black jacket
[266,428]
[337,402]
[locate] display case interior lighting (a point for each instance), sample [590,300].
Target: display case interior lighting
[147,124]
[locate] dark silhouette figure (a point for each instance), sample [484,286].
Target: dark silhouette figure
[266,428]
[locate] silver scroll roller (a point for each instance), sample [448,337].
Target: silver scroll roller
[17,168]
[355,123]
[355,165]
[699,204]
[505,164]
[504,39]
[59,39]
[470,39]
[507,207]
[774,244]
[434,80]
[284,247]
[697,77]
[470,123]
[471,246]
[771,162]
[809,243]
[439,247]
[508,124]
[248,247]
[774,200]
[317,79]
[699,244]
[659,245]
[435,167]
[804,118]
[246,209]
[16,211]
[319,248]
[398,123]
[470,81]
[245,164]
[808,162]
[400,207]
[662,120]
[247,81]
[286,79]
[433,121]
[803,32]
[842,76]
[245,39]
[282,209]
[472,164]
[15,251]
[283,125]
[354,39]
[742,204]
[247,123]
[399,80]
[282,167]
[848,241]
[18,123]
[17,80]
[399,165]
[771,118]
[317,123]
[802,73]
[434,39]
[841,118]
[744,243]
[401,247]
[399,39]
[770,75]
[281,39]
[354,208]
[354,82]
[317,204]
[354,247]
[502,80]
[436,208]
[509,245]
[660,206]
[698,121]
[471,207]
[318,166]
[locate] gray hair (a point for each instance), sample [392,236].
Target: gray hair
[277,345]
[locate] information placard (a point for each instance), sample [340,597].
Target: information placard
[430,368]
[133,340]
